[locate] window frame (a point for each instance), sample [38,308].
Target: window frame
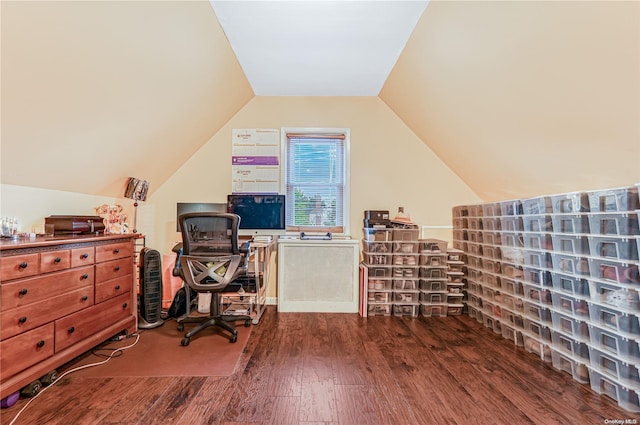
[346,193]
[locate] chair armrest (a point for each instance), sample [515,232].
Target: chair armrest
[245,248]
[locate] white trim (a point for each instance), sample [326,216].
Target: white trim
[347,169]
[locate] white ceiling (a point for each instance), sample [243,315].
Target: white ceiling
[318,48]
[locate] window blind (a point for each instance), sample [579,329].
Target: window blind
[315,182]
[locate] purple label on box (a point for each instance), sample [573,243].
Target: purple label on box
[254,160]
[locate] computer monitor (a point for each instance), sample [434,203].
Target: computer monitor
[260,214]
[189,207]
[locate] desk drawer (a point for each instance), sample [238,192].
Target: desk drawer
[113,251]
[80,325]
[83,256]
[114,287]
[26,291]
[17,266]
[52,261]
[27,349]
[113,269]
[31,316]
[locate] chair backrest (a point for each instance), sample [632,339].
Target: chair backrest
[209,233]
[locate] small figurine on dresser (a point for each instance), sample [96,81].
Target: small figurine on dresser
[115,221]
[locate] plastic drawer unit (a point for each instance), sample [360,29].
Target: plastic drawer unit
[625,223]
[570,284]
[616,247]
[621,271]
[566,203]
[619,200]
[626,397]
[570,223]
[576,327]
[571,365]
[537,205]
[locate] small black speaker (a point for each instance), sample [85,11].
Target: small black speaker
[150,304]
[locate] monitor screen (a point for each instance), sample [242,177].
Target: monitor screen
[189,207]
[259,213]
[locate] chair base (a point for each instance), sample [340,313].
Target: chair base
[209,321]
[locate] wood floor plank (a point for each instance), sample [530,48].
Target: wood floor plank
[179,394]
[355,405]
[350,367]
[522,376]
[286,410]
[318,402]
[209,405]
[337,369]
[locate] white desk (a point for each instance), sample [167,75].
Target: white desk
[262,270]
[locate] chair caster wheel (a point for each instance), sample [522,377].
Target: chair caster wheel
[49,378]
[233,338]
[185,342]
[247,323]
[32,389]
[180,327]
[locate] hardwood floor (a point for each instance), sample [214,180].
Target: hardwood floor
[308,368]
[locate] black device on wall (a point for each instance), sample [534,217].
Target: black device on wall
[150,305]
[259,213]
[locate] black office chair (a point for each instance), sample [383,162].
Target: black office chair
[212,261]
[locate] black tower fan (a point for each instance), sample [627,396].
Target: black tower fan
[150,305]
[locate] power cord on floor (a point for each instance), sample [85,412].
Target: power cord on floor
[116,352]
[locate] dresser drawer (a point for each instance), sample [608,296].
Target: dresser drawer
[80,325]
[33,289]
[21,319]
[53,261]
[113,269]
[25,350]
[113,251]
[83,256]
[17,266]
[114,287]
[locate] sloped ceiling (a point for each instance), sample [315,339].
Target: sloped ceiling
[517,98]
[525,98]
[318,48]
[106,90]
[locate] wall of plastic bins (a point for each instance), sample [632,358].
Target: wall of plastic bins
[407,276]
[559,276]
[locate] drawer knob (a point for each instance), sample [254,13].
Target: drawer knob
[84,256]
[23,319]
[117,268]
[71,330]
[57,260]
[116,251]
[23,291]
[84,276]
[84,298]
[117,287]
[23,265]
[124,305]
[40,344]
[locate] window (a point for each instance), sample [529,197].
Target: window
[315,179]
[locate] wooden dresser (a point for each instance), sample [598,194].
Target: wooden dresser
[60,297]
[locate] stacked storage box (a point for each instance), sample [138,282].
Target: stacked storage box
[455,281]
[566,281]
[613,305]
[433,278]
[392,265]
[406,266]
[377,253]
